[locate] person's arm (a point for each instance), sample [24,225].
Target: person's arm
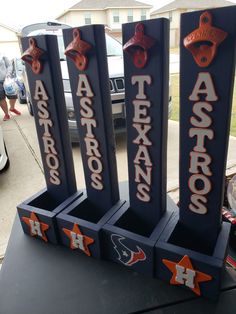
[9,66]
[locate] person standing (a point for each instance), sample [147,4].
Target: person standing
[5,71]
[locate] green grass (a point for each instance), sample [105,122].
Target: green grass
[175,97]
[175,103]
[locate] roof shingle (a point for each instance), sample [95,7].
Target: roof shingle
[104,4]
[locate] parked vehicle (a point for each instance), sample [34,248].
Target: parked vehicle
[117,88]
[116,76]
[4,160]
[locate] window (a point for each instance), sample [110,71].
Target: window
[170,16]
[130,16]
[116,18]
[143,14]
[87,18]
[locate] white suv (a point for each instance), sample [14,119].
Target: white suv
[116,76]
[117,88]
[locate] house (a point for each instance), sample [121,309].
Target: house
[9,41]
[112,13]
[173,10]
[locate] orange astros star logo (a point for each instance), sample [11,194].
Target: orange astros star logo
[78,240]
[37,228]
[184,274]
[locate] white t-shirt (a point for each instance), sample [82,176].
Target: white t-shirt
[5,67]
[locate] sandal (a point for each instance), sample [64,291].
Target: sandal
[6,117]
[15,111]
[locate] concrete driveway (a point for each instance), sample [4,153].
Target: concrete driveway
[25,175]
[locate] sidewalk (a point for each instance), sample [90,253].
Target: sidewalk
[25,176]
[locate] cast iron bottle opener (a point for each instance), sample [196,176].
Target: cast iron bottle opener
[138,46]
[203,41]
[32,56]
[77,51]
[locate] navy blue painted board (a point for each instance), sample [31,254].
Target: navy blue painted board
[191,251]
[91,98]
[38,215]
[146,99]
[203,276]
[127,241]
[50,116]
[205,118]
[79,226]
[130,235]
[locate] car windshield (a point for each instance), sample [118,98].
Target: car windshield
[114,48]
[61,47]
[57,32]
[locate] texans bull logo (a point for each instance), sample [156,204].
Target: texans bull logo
[125,255]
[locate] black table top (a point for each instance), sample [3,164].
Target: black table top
[42,278]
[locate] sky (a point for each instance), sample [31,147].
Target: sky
[15,14]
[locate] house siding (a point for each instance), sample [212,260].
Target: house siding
[76,18]
[174,25]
